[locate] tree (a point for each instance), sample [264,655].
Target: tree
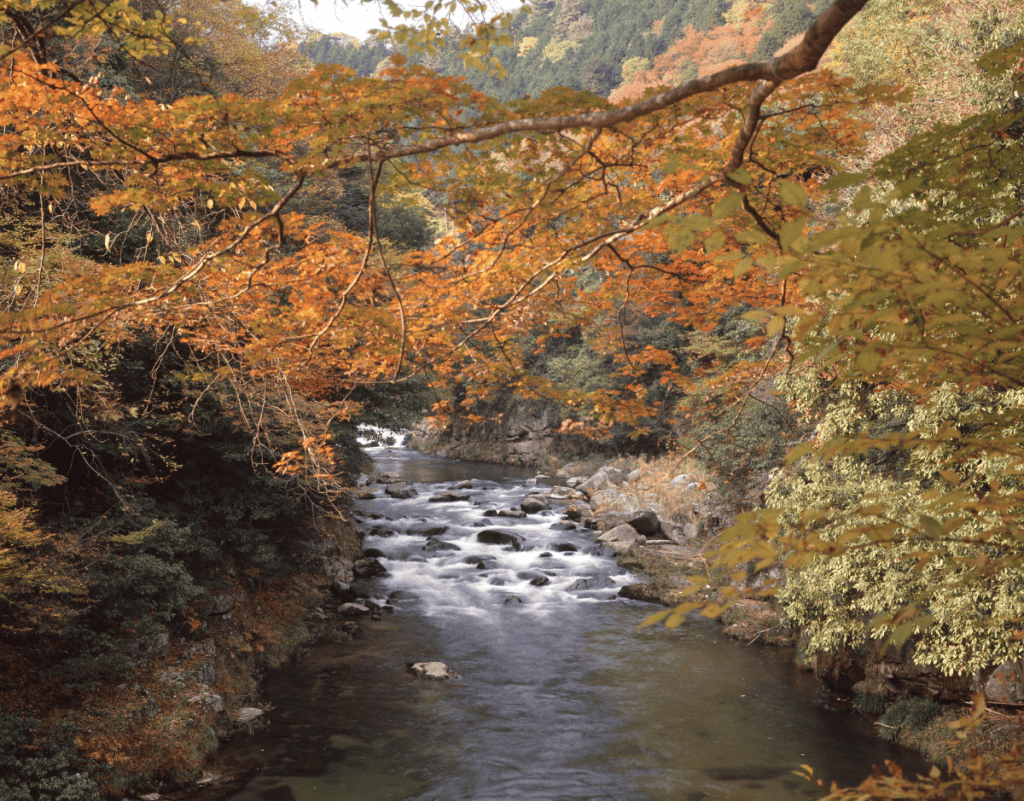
[566,209]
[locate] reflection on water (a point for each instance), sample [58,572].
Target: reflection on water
[561,698]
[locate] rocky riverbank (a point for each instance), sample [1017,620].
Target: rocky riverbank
[912,704]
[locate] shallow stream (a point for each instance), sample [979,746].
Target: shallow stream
[560,697]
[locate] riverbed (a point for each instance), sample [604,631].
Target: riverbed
[560,696]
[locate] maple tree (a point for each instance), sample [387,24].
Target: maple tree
[567,212]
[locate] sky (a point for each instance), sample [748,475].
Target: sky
[333,16]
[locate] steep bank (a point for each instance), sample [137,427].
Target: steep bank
[182,697]
[525,433]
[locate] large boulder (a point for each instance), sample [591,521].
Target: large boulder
[495,536]
[603,479]
[369,568]
[533,504]
[438,671]
[449,497]
[1006,684]
[400,491]
[622,540]
[645,522]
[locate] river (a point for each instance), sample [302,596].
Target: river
[560,697]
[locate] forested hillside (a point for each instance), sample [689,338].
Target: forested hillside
[601,46]
[216,259]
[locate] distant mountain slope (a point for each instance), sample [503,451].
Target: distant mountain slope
[607,46]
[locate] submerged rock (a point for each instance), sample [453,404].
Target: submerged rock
[438,671]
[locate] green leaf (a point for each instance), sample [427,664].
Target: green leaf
[793,193]
[728,205]
[790,232]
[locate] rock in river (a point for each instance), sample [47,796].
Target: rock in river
[494,536]
[438,671]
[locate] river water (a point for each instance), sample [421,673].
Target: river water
[560,697]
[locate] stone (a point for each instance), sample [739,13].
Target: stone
[513,600]
[645,521]
[576,511]
[494,536]
[464,485]
[380,531]
[366,496]
[374,553]
[150,797]
[438,671]
[569,469]
[621,533]
[592,583]
[440,545]
[518,514]
[632,477]
[563,547]
[564,526]
[369,568]
[1006,684]
[540,581]
[343,592]
[640,592]
[402,595]
[533,504]
[432,531]
[448,497]
[221,604]
[400,491]
[247,715]
[353,610]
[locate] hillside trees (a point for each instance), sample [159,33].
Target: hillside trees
[566,211]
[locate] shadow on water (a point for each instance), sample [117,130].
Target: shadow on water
[561,698]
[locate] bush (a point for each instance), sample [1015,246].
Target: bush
[33,768]
[910,714]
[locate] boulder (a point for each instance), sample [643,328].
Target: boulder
[464,485]
[605,478]
[400,491]
[374,553]
[365,496]
[640,592]
[380,531]
[449,497]
[368,568]
[514,513]
[591,583]
[533,504]
[1006,684]
[576,511]
[563,547]
[645,522]
[402,595]
[569,470]
[432,531]
[494,536]
[540,581]
[353,610]
[343,592]
[512,600]
[438,671]
[440,545]
[620,533]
